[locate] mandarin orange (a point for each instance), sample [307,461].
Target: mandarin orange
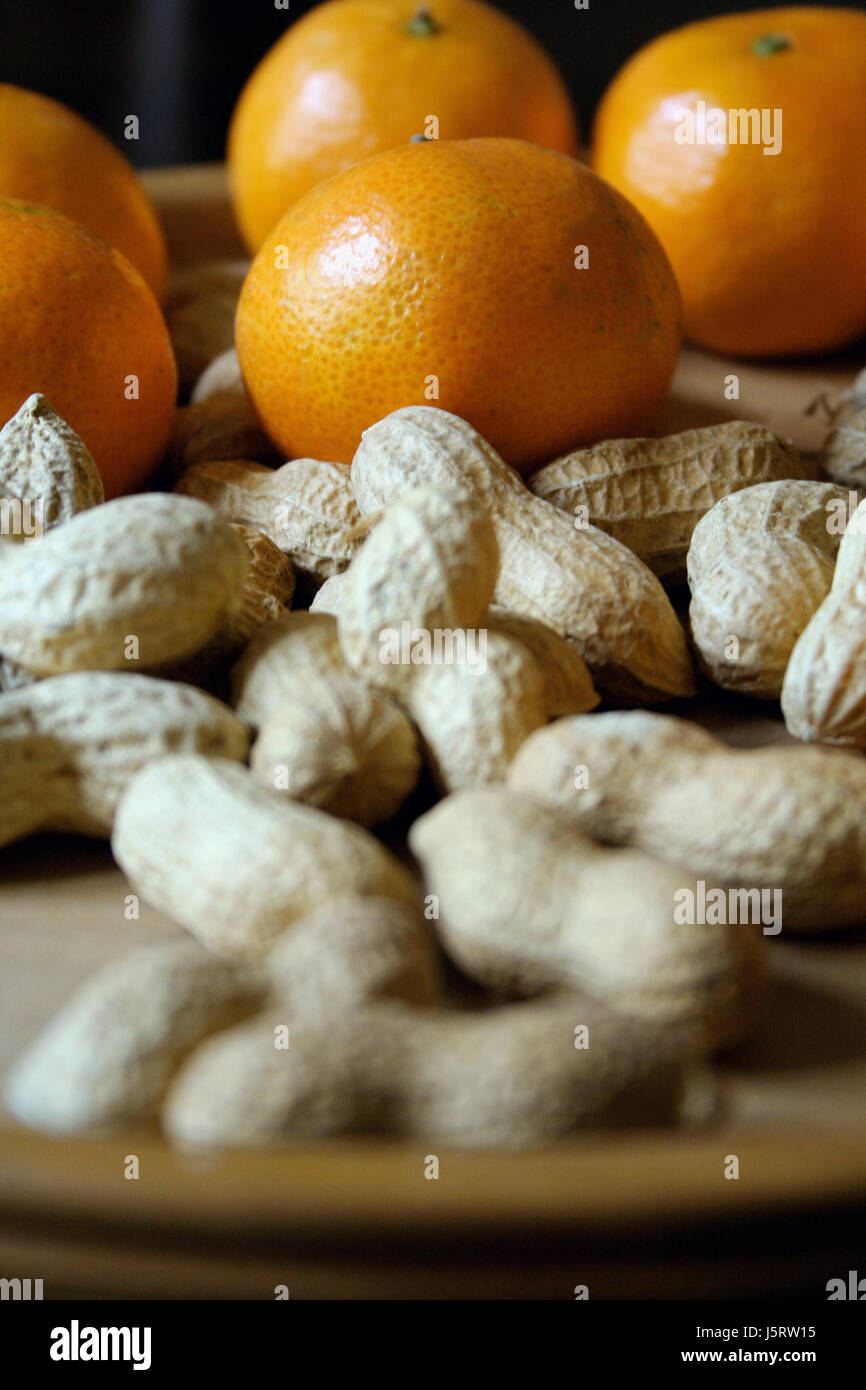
[79,324]
[766,230]
[354,77]
[51,156]
[499,280]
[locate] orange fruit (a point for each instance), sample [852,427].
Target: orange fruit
[445,273]
[51,156]
[354,77]
[79,325]
[769,249]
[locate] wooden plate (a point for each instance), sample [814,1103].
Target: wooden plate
[633,1216]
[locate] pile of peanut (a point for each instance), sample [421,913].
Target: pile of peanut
[453,632]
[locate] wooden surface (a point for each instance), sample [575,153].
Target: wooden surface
[633,1215]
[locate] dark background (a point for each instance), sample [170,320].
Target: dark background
[180,64]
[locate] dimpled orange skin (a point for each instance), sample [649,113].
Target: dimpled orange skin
[76,321]
[51,156]
[769,250]
[456,261]
[349,80]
